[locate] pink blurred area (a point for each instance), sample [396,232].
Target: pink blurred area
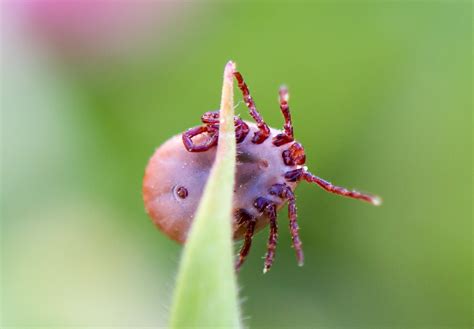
[91,29]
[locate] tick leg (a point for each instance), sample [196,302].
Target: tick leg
[272,238]
[287,135]
[373,199]
[285,192]
[292,214]
[241,130]
[264,131]
[247,243]
[210,141]
[285,110]
[300,174]
[211,120]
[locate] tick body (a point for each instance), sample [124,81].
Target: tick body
[270,164]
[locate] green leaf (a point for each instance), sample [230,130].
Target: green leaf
[206,290]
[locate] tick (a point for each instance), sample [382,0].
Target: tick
[270,164]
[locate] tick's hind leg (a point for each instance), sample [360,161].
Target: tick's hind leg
[292,214]
[284,191]
[211,120]
[241,130]
[287,135]
[244,251]
[211,127]
[208,143]
[272,238]
[264,131]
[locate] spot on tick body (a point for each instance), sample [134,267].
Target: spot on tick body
[182,192]
[263,164]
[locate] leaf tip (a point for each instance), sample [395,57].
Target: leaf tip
[230,68]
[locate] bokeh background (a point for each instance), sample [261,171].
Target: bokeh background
[381,94]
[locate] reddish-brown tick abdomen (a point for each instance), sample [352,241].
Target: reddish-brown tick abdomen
[175,178]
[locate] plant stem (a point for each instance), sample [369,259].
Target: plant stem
[206,290]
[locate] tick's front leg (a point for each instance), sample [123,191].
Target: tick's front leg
[263,130]
[287,135]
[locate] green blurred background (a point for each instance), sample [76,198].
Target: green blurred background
[381,95]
